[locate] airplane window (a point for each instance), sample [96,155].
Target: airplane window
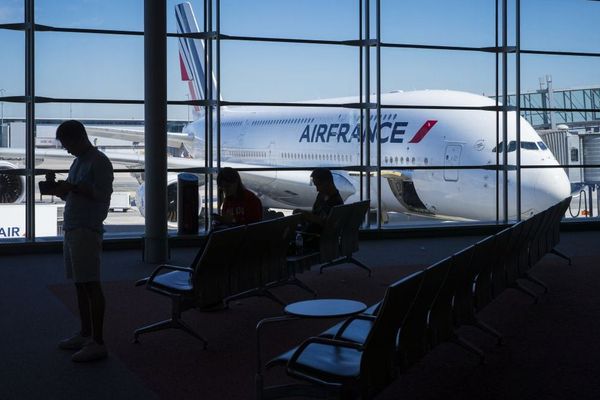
[542,145]
[413,160]
[426,161]
[529,146]
[386,159]
[396,160]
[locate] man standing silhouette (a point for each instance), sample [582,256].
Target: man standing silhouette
[86,192]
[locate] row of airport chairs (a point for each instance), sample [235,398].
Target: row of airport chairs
[250,260]
[360,356]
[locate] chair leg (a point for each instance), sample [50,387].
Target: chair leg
[527,291]
[174,322]
[535,280]
[344,260]
[488,329]
[561,255]
[158,326]
[465,344]
[256,292]
[293,281]
[270,295]
[179,324]
[297,282]
[332,264]
[169,323]
[359,264]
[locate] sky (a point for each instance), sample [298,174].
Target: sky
[111,66]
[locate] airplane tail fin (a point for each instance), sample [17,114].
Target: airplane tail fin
[191,54]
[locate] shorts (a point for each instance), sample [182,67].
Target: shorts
[81,250]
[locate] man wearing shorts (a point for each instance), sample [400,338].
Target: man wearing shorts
[86,192]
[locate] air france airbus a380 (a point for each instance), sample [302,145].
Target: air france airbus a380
[255,137]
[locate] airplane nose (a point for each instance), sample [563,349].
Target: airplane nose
[552,186]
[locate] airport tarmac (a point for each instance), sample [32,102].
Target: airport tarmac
[129,220]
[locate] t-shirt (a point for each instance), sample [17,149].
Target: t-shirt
[93,170]
[244,209]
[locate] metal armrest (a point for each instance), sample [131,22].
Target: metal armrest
[320,340]
[142,281]
[346,323]
[150,279]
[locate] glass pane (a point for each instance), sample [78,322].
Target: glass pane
[560,25]
[126,15]
[124,216]
[406,69]
[89,66]
[307,19]
[284,72]
[288,137]
[12,67]
[433,22]
[114,114]
[12,11]
[12,187]
[117,138]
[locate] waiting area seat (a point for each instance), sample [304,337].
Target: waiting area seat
[345,368]
[337,242]
[235,263]
[450,294]
[200,285]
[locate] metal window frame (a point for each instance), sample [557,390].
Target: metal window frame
[364,44]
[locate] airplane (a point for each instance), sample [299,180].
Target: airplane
[288,136]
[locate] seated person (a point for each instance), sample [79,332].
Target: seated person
[239,205]
[327,197]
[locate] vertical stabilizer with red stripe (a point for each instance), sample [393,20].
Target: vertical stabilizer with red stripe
[191,55]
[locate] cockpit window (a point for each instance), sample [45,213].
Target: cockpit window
[542,145]
[512,146]
[529,146]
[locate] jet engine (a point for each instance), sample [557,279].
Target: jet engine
[12,187]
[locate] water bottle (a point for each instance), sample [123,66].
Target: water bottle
[299,243]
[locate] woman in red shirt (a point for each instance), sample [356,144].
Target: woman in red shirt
[239,205]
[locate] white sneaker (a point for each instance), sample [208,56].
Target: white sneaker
[90,352]
[75,342]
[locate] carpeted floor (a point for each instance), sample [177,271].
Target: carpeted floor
[551,349]
[174,365]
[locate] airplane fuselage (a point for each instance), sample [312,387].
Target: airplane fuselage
[331,137]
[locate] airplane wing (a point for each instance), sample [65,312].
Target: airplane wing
[174,139]
[18,154]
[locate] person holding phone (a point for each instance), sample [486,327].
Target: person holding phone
[238,205]
[86,192]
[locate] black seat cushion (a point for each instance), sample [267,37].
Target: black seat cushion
[176,282]
[328,362]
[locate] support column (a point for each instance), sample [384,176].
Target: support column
[155,141]
[30,125]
